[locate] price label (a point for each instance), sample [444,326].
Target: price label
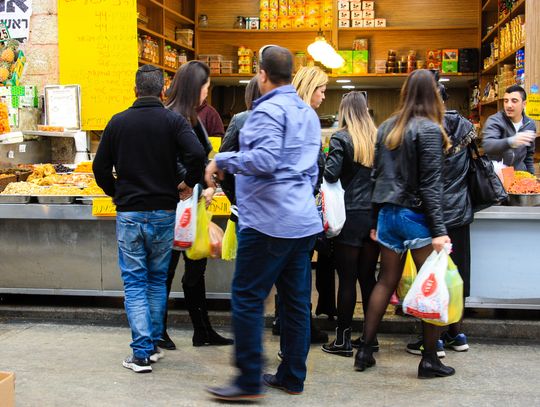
[103,207]
[220,206]
[533,106]
[4,33]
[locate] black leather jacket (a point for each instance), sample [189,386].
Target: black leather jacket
[355,178]
[411,175]
[457,206]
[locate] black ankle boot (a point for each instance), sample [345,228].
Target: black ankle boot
[431,366]
[203,333]
[356,343]
[364,358]
[341,345]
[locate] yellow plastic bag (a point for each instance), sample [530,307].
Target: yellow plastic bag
[455,290]
[229,246]
[200,248]
[407,278]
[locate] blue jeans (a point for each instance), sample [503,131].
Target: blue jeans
[261,262]
[145,242]
[400,229]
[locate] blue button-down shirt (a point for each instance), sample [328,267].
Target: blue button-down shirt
[276,167]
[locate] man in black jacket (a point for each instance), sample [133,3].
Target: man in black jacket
[509,134]
[143,143]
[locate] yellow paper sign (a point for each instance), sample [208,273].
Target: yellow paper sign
[103,207]
[220,206]
[533,106]
[97,42]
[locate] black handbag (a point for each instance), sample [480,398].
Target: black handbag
[485,187]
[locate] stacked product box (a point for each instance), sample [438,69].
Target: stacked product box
[291,14]
[449,60]
[358,14]
[245,60]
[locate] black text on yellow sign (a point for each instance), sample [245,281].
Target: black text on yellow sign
[103,207]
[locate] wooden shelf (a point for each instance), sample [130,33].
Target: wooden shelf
[490,103]
[175,15]
[507,57]
[158,35]
[244,31]
[490,5]
[517,7]
[361,81]
[165,68]
[409,28]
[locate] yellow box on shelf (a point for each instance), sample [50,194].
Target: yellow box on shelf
[103,207]
[220,206]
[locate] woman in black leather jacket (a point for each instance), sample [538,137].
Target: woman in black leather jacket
[408,192]
[350,160]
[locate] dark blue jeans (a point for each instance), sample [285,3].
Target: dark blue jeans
[261,262]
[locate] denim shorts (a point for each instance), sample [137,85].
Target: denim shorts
[401,229]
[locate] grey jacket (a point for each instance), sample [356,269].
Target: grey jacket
[497,129]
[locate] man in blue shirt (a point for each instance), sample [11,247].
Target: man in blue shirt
[276,171]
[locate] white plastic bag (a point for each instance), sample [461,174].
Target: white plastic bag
[333,207]
[185,225]
[428,297]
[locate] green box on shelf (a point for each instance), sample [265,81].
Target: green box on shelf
[347,67]
[360,62]
[449,66]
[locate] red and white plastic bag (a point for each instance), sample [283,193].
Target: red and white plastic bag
[428,297]
[185,224]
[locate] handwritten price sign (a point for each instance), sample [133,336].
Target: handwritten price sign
[220,206]
[103,207]
[4,33]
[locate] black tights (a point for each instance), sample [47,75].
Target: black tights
[391,269]
[354,264]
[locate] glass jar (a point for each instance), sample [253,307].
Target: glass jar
[140,46]
[174,59]
[300,60]
[182,58]
[203,21]
[239,23]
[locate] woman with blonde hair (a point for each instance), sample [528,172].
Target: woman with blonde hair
[350,160]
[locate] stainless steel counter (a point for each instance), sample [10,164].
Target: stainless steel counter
[510,213]
[40,211]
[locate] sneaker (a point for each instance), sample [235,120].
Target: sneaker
[458,343]
[158,354]
[166,342]
[417,347]
[137,365]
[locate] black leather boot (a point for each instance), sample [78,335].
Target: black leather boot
[203,333]
[358,341]
[364,358]
[431,366]
[341,345]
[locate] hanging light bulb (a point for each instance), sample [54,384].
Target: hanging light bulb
[323,52]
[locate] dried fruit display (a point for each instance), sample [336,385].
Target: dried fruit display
[525,186]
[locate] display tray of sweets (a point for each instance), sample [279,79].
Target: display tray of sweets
[48,194]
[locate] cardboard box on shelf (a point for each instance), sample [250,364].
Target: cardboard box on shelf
[368,5]
[380,22]
[347,67]
[345,23]
[356,6]
[360,61]
[368,14]
[369,23]
[344,14]
[356,15]
[343,5]
[357,23]
[450,60]
[7,389]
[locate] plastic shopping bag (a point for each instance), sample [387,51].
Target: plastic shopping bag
[333,207]
[200,248]
[408,276]
[229,246]
[216,240]
[185,226]
[455,290]
[428,296]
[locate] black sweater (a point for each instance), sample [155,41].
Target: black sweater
[143,144]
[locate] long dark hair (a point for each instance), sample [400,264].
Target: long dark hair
[419,98]
[184,95]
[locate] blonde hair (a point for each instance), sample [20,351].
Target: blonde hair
[355,119]
[419,98]
[307,80]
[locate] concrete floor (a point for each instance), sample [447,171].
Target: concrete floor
[80,365]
